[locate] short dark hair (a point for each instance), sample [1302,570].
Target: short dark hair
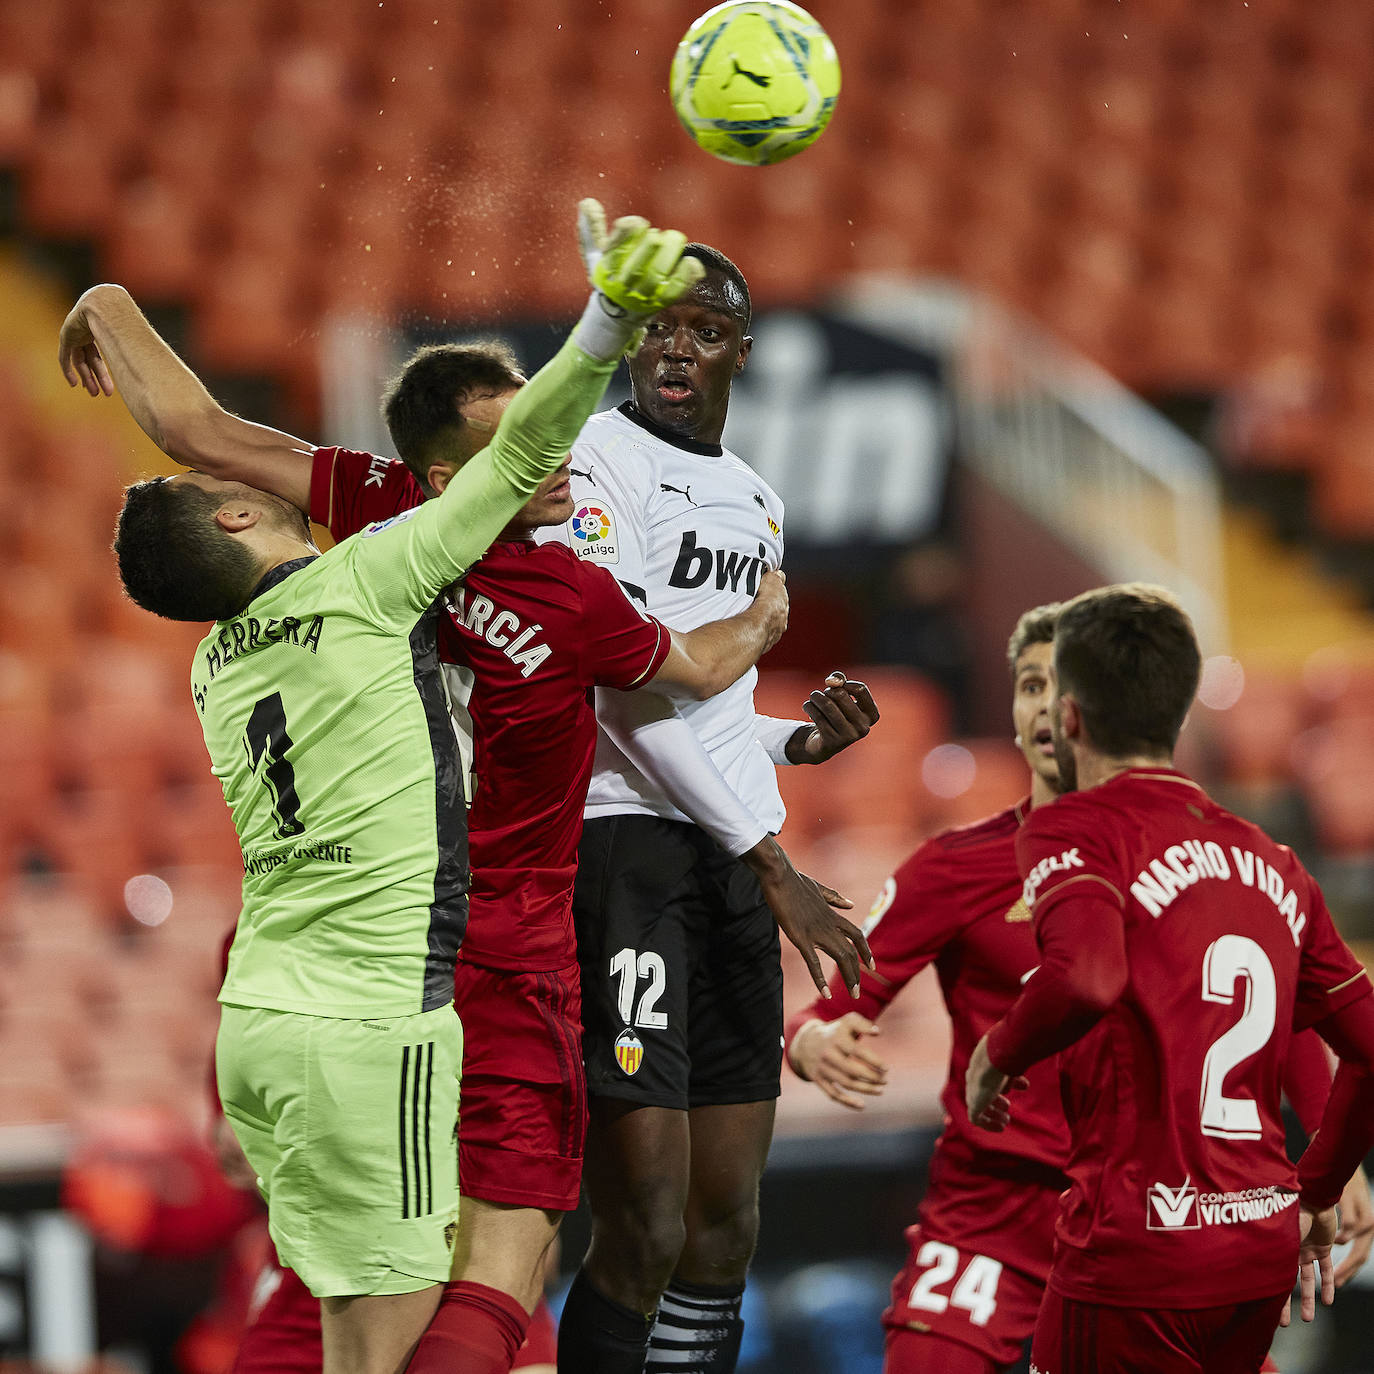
[1129,656]
[1036,626]
[420,404]
[716,261]
[174,560]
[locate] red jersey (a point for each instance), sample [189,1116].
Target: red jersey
[956,902]
[529,631]
[1182,1194]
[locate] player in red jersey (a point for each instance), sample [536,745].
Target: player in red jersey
[1180,949]
[536,629]
[980,1251]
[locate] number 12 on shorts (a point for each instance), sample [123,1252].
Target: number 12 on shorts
[975,1292]
[630,966]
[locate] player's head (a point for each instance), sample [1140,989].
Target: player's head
[1126,664]
[1030,659]
[682,374]
[443,407]
[191,547]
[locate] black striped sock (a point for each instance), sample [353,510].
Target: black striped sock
[698,1330]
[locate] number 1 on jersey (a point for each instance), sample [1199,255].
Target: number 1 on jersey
[266,734]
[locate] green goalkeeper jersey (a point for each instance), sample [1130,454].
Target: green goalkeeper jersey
[327,725]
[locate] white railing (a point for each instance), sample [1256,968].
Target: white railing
[1111,477]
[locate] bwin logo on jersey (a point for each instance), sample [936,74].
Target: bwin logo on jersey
[733,569]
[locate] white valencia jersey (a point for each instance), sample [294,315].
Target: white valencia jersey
[687,529]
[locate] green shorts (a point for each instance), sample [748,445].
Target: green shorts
[352,1129]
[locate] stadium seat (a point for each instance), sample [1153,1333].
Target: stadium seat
[69,189]
[248,320]
[1257,734]
[154,241]
[1335,762]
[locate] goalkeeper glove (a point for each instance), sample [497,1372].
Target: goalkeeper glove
[635,270]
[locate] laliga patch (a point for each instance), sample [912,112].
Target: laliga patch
[881,902]
[629,1052]
[387,524]
[593,533]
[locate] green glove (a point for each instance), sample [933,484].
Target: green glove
[638,269]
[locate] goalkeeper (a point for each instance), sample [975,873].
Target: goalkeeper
[319,695]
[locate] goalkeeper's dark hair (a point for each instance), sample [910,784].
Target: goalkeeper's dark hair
[174,560]
[716,261]
[421,403]
[1129,656]
[1036,626]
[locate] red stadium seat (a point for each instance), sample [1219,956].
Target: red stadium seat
[69,189]
[1257,733]
[1335,762]
[154,243]
[249,320]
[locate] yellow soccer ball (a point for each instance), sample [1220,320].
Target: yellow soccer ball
[755,81]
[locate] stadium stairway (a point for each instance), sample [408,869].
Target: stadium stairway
[1284,608]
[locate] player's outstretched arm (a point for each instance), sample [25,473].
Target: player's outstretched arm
[106,343]
[647,729]
[708,659]
[640,271]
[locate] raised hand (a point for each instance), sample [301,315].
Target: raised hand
[842,713]
[635,271]
[79,356]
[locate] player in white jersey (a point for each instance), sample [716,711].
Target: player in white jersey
[682,986]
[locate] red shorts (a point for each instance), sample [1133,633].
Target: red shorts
[959,1295]
[523,1114]
[1088,1338]
[283,1335]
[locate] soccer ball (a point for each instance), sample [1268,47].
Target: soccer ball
[755,81]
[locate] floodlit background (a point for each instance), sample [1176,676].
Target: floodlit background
[1071,291]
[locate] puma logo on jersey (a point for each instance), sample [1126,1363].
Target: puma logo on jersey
[695,564]
[577,472]
[501,629]
[681,491]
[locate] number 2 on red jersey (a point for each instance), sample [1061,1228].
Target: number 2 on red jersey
[1230,960]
